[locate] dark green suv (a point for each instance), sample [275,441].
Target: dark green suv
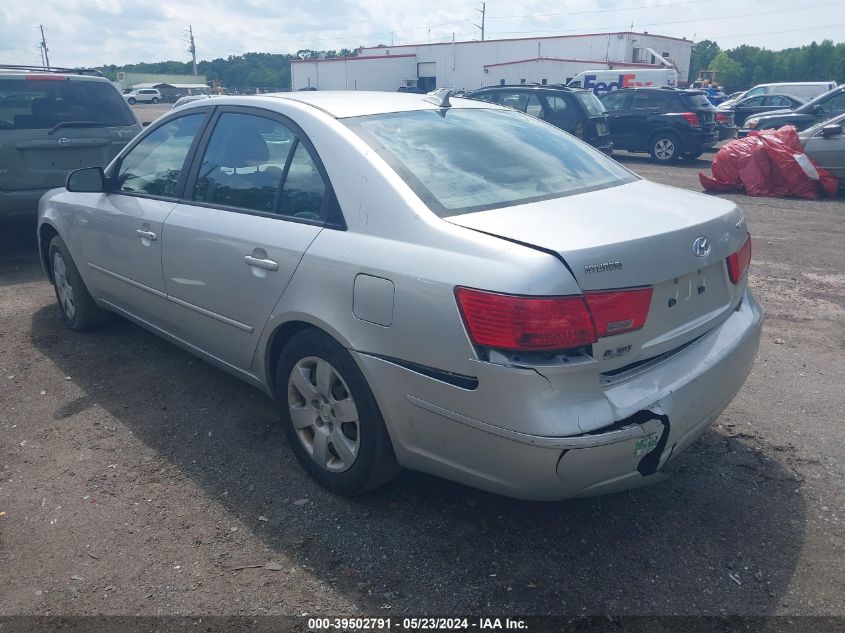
[52,122]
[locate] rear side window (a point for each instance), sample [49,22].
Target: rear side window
[155,164]
[39,104]
[695,101]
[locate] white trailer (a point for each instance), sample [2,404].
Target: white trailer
[604,81]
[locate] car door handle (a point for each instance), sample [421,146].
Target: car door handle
[266,264]
[147,235]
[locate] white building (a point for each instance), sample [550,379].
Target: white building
[473,64]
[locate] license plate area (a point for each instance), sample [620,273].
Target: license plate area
[601,128]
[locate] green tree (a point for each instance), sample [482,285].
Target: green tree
[703,53]
[729,71]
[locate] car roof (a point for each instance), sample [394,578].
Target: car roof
[532,86]
[7,70]
[343,104]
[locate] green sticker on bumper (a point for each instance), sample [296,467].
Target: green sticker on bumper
[645,444]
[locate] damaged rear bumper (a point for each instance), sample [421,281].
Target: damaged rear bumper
[658,413]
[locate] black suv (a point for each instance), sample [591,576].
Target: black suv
[668,123]
[578,112]
[822,107]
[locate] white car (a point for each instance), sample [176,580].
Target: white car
[145,95]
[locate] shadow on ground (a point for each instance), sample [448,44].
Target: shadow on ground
[691,545]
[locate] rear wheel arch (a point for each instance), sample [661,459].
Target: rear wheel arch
[46,233]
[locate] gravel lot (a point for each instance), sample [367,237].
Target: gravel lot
[137,480]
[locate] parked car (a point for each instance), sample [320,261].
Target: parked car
[411,89]
[725,125]
[479,298]
[665,122]
[825,144]
[52,122]
[144,95]
[805,90]
[578,112]
[821,108]
[751,106]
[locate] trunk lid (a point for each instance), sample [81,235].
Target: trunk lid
[638,234]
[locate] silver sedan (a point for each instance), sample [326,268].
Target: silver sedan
[438,284]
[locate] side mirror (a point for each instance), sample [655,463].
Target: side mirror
[87,180]
[818,109]
[834,129]
[145,123]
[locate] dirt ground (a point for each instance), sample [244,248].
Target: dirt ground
[138,480]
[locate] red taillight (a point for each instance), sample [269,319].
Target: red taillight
[722,118]
[738,262]
[525,323]
[691,118]
[516,322]
[619,311]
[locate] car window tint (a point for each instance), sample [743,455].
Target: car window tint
[534,107]
[591,103]
[304,189]
[491,97]
[40,104]
[776,101]
[243,164]
[437,154]
[154,165]
[644,100]
[834,105]
[557,104]
[756,101]
[515,100]
[614,100]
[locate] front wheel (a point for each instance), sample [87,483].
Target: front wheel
[665,148]
[155,100]
[77,307]
[330,416]
[131,101]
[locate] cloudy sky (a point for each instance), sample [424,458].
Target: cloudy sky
[95,32]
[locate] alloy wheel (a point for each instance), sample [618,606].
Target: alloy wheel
[324,414]
[63,287]
[664,149]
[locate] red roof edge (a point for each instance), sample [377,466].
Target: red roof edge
[349,59]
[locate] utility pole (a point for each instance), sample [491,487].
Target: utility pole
[483,12]
[192,49]
[44,47]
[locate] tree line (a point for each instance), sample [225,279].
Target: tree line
[269,71]
[746,66]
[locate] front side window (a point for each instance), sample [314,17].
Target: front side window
[834,105]
[155,165]
[534,107]
[437,154]
[244,162]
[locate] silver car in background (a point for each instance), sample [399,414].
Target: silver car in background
[447,286]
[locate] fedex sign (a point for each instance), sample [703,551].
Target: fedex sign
[623,81]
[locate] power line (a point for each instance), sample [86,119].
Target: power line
[596,11]
[696,20]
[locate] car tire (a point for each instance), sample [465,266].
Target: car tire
[330,416]
[131,101]
[692,155]
[155,100]
[77,307]
[665,147]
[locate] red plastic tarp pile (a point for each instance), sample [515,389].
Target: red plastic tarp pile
[769,163]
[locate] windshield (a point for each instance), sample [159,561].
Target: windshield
[459,161]
[40,104]
[591,103]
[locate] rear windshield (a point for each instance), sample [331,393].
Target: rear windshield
[591,103]
[464,160]
[40,104]
[696,101]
